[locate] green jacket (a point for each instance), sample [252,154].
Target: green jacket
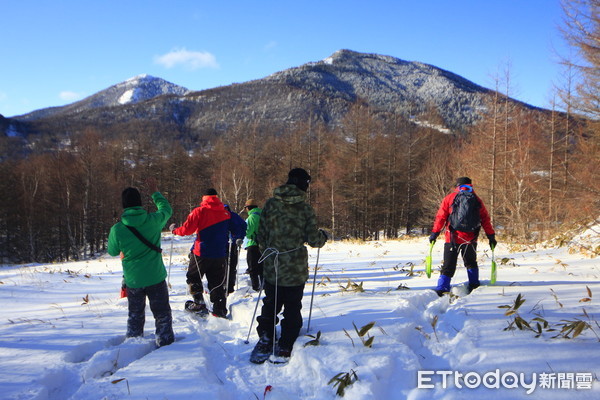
[142,266]
[252,228]
[286,223]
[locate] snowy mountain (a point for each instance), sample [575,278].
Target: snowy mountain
[134,90]
[390,84]
[317,91]
[63,326]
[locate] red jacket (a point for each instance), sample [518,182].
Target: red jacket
[441,220]
[211,224]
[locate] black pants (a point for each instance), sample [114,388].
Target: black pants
[233,256]
[451,251]
[158,297]
[255,269]
[290,298]
[214,269]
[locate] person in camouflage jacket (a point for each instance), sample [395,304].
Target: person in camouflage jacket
[287,222]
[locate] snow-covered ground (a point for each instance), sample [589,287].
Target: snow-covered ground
[62,331]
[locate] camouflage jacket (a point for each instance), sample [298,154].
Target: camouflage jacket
[286,223]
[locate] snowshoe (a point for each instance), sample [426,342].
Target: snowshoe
[198,309]
[262,350]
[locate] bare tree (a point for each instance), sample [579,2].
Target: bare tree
[581,30]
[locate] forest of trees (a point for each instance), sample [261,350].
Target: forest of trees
[374,176]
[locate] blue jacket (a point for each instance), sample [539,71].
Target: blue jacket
[212,224]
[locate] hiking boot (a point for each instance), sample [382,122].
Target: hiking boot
[164,341]
[220,308]
[262,350]
[220,313]
[443,285]
[472,286]
[473,274]
[281,356]
[196,308]
[255,282]
[195,288]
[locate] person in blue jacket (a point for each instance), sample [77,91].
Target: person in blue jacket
[212,224]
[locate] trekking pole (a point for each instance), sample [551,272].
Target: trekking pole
[313,290]
[428,260]
[236,272]
[254,315]
[227,271]
[493,277]
[170,258]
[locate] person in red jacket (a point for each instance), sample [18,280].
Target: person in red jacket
[457,241]
[212,224]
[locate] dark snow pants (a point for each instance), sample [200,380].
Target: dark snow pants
[451,251]
[215,270]
[290,298]
[233,256]
[255,269]
[158,297]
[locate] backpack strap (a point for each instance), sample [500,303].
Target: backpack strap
[143,239]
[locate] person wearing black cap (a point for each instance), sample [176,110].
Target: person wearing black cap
[463,214]
[286,223]
[212,224]
[137,239]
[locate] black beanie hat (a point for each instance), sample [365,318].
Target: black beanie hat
[131,198]
[463,180]
[299,177]
[210,192]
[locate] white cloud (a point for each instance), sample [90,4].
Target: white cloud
[187,59]
[271,45]
[69,96]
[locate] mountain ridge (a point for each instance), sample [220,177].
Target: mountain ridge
[324,91]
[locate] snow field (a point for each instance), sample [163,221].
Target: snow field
[63,325]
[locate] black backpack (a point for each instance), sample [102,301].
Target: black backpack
[465,212]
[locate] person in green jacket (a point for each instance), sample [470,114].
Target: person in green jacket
[255,268]
[143,269]
[287,222]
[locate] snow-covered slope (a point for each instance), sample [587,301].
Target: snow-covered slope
[134,90]
[391,84]
[62,332]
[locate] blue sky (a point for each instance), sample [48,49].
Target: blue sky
[56,52]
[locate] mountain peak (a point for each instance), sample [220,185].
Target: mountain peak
[131,91]
[345,55]
[389,84]
[140,77]
[140,88]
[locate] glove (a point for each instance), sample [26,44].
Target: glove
[171,227]
[239,242]
[324,234]
[123,288]
[492,239]
[433,236]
